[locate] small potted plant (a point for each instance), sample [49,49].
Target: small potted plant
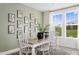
[42,31]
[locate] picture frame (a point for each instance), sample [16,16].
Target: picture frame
[26,29]
[11,29]
[19,34]
[35,21]
[31,16]
[19,24]
[32,24]
[11,17]
[26,20]
[19,13]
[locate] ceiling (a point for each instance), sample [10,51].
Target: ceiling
[49,6]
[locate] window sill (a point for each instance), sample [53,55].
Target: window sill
[67,38]
[71,38]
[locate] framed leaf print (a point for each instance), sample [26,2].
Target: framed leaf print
[11,29]
[19,24]
[19,13]
[19,34]
[11,17]
[26,29]
[26,20]
[35,21]
[31,16]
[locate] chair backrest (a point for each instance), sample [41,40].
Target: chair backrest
[52,35]
[53,39]
[22,44]
[22,41]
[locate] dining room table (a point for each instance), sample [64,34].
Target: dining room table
[39,43]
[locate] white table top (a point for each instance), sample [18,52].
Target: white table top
[39,43]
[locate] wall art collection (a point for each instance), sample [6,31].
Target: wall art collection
[29,26]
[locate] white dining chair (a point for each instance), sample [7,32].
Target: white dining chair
[53,41]
[44,49]
[23,46]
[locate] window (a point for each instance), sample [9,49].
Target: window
[71,24]
[71,18]
[65,23]
[57,21]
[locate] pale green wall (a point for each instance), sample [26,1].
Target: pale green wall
[9,41]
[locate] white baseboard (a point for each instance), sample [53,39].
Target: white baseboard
[9,51]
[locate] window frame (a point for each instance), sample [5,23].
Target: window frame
[58,13]
[63,12]
[69,11]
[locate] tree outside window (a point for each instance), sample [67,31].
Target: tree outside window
[57,21]
[71,24]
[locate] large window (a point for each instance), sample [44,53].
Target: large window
[65,23]
[71,24]
[57,21]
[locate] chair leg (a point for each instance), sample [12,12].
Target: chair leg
[49,52]
[43,52]
[20,53]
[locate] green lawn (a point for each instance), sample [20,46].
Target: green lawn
[58,31]
[69,32]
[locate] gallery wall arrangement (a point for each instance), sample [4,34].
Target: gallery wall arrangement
[11,19]
[29,24]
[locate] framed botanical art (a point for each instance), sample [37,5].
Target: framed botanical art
[19,24]
[11,29]
[19,13]
[19,34]
[11,17]
[32,24]
[35,21]
[26,29]
[31,16]
[26,20]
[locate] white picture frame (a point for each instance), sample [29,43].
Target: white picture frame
[26,20]
[19,13]
[26,29]
[11,17]
[19,34]
[19,24]
[35,21]
[11,29]
[31,16]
